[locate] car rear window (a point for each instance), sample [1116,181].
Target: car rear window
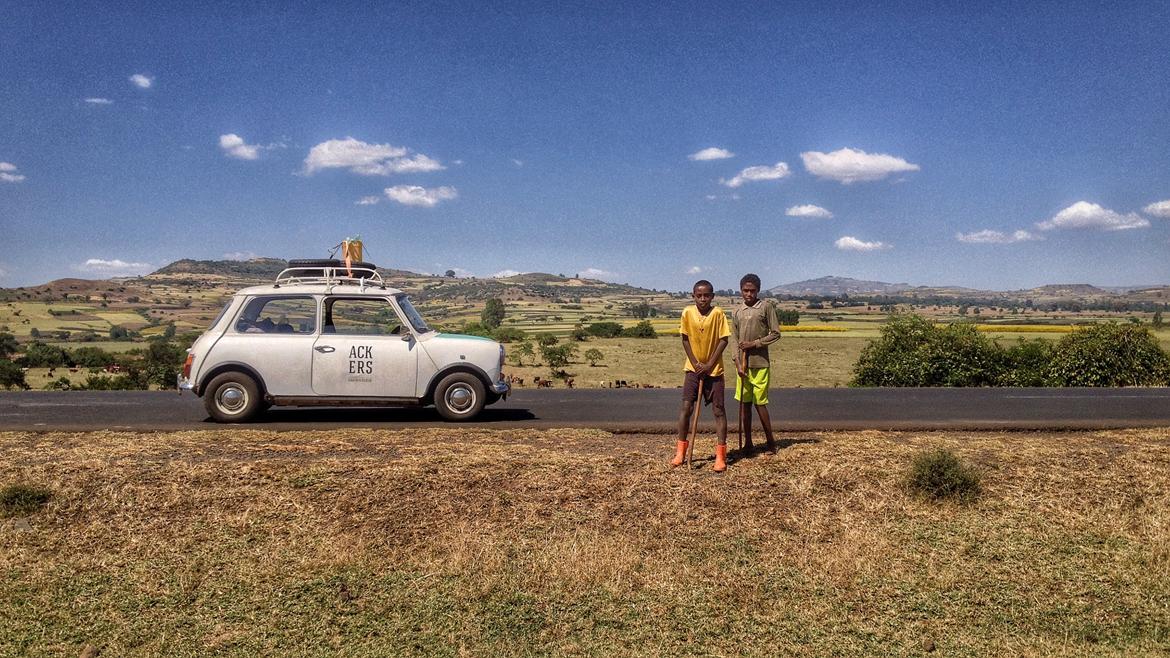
[278,315]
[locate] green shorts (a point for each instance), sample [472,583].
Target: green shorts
[754,389]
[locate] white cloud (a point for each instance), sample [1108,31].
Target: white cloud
[808,210]
[367,159]
[758,173]
[988,236]
[849,243]
[711,153]
[368,201]
[8,173]
[503,274]
[697,269]
[234,146]
[1159,209]
[414,195]
[142,81]
[99,101]
[1085,215]
[595,273]
[240,255]
[115,267]
[852,165]
[518,163]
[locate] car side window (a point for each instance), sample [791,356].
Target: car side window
[278,315]
[361,317]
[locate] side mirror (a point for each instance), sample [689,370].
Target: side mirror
[406,337]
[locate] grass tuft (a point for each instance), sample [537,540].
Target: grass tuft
[22,499]
[939,474]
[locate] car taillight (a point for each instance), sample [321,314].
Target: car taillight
[187,366]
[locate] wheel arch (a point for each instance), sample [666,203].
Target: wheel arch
[454,368]
[231,366]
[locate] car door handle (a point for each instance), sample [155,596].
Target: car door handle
[324,349]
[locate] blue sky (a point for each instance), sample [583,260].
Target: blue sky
[992,145]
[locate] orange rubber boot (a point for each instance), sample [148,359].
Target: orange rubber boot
[680,454]
[720,458]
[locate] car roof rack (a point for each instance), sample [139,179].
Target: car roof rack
[330,276]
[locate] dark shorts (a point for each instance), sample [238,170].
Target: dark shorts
[712,389]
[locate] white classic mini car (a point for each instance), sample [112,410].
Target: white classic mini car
[324,334]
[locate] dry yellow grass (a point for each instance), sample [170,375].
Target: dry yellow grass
[572,542]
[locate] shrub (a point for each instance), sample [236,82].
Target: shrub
[508,334]
[940,475]
[1109,355]
[11,376]
[1027,363]
[91,357]
[22,499]
[893,358]
[641,330]
[475,329]
[40,355]
[958,355]
[604,329]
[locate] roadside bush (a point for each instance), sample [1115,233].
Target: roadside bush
[59,384]
[11,376]
[641,330]
[1109,355]
[22,499]
[1027,362]
[895,357]
[958,355]
[940,475]
[115,383]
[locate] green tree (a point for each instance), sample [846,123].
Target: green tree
[1158,319]
[593,356]
[11,376]
[546,339]
[556,357]
[788,317]
[162,362]
[8,344]
[493,313]
[522,351]
[40,355]
[450,274]
[91,357]
[578,334]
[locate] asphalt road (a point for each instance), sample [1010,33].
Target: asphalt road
[631,410]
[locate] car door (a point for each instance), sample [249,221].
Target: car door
[273,335]
[364,350]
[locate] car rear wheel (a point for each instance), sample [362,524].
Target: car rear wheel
[233,397]
[459,397]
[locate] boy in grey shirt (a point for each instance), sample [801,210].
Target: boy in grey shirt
[754,328]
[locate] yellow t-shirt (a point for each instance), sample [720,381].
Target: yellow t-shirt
[703,332]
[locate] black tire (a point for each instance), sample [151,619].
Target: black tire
[459,397]
[315,266]
[232,397]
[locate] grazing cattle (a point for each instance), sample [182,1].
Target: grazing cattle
[569,383]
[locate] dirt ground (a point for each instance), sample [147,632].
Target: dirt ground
[581,542]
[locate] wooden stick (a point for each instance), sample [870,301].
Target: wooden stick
[694,424]
[738,403]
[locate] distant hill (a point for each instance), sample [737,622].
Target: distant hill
[265,268]
[835,286]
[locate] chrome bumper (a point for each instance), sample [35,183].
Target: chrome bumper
[182,384]
[501,389]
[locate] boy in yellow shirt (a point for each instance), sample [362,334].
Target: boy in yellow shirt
[704,329]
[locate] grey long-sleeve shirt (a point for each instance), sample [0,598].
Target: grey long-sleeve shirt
[756,322]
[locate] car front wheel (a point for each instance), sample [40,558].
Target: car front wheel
[233,397]
[459,396]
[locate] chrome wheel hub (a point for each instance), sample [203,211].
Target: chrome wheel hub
[231,398]
[460,398]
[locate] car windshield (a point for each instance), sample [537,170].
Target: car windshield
[412,316]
